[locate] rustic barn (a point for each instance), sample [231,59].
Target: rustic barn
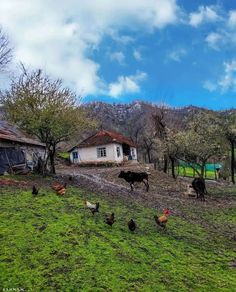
[17,150]
[104,146]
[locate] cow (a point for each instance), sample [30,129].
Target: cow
[198,184]
[132,177]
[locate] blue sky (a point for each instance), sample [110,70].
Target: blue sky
[178,52]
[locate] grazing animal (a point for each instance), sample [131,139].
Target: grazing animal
[35,191]
[132,177]
[110,219]
[92,207]
[131,225]
[162,220]
[199,186]
[59,188]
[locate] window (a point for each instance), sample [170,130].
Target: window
[75,155]
[118,151]
[101,152]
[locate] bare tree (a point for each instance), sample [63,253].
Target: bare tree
[5,50]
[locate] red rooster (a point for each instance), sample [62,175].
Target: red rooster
[162,220]
[59,188]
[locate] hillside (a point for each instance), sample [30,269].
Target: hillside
[51,243]
[116,116]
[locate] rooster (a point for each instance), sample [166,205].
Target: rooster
[59,188]
[110,219]
[131,225]
[92,207]
[35,191]
[162,220]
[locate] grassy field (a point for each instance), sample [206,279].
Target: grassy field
[188,171]
[79,252]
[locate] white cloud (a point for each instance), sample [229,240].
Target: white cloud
[232,18]
[204,14]
[119,57]
[126,84]
[137,55]
[59,36]
[209,85]
[213,40]
[177,55]
[227,81]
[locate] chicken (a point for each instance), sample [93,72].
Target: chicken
[131,225]
[41,228]
[59,188]
[110,219]
[35,191]
[162,220]
[189,192]
[92,207]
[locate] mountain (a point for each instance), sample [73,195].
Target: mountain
[119,116]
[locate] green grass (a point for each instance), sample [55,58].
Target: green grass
[79,252]
[210,174]
[64,155]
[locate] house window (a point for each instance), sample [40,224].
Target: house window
[75,155]
[118,151]
[101,152]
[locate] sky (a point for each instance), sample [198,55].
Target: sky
[177,52]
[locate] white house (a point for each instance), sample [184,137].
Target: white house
[104,146]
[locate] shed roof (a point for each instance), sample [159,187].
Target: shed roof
[11,133]
[105,137]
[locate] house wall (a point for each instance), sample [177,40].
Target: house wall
[89,154]
[133,152]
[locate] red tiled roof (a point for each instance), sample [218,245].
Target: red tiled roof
[105,137]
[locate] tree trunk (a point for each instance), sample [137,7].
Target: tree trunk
[232,161]
[165,168]
[172,160]
[203,170]
[52,159]
[149,155]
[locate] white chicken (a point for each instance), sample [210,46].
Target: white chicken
[92,207]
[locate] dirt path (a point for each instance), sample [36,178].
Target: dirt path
[164,191]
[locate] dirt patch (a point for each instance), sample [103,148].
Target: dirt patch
[12,182]
[164,190]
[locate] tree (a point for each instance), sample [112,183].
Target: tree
[229,123]
[160,127]
[201,140]
[45,109]
[5,50]
[166,126]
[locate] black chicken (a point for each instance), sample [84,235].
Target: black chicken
[131,225]
[110,219]
[35,191]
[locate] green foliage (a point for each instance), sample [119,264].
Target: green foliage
[64,155]
[45,109]
[202,139]
[79,252]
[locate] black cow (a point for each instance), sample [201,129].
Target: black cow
[199,186]
[132,177]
